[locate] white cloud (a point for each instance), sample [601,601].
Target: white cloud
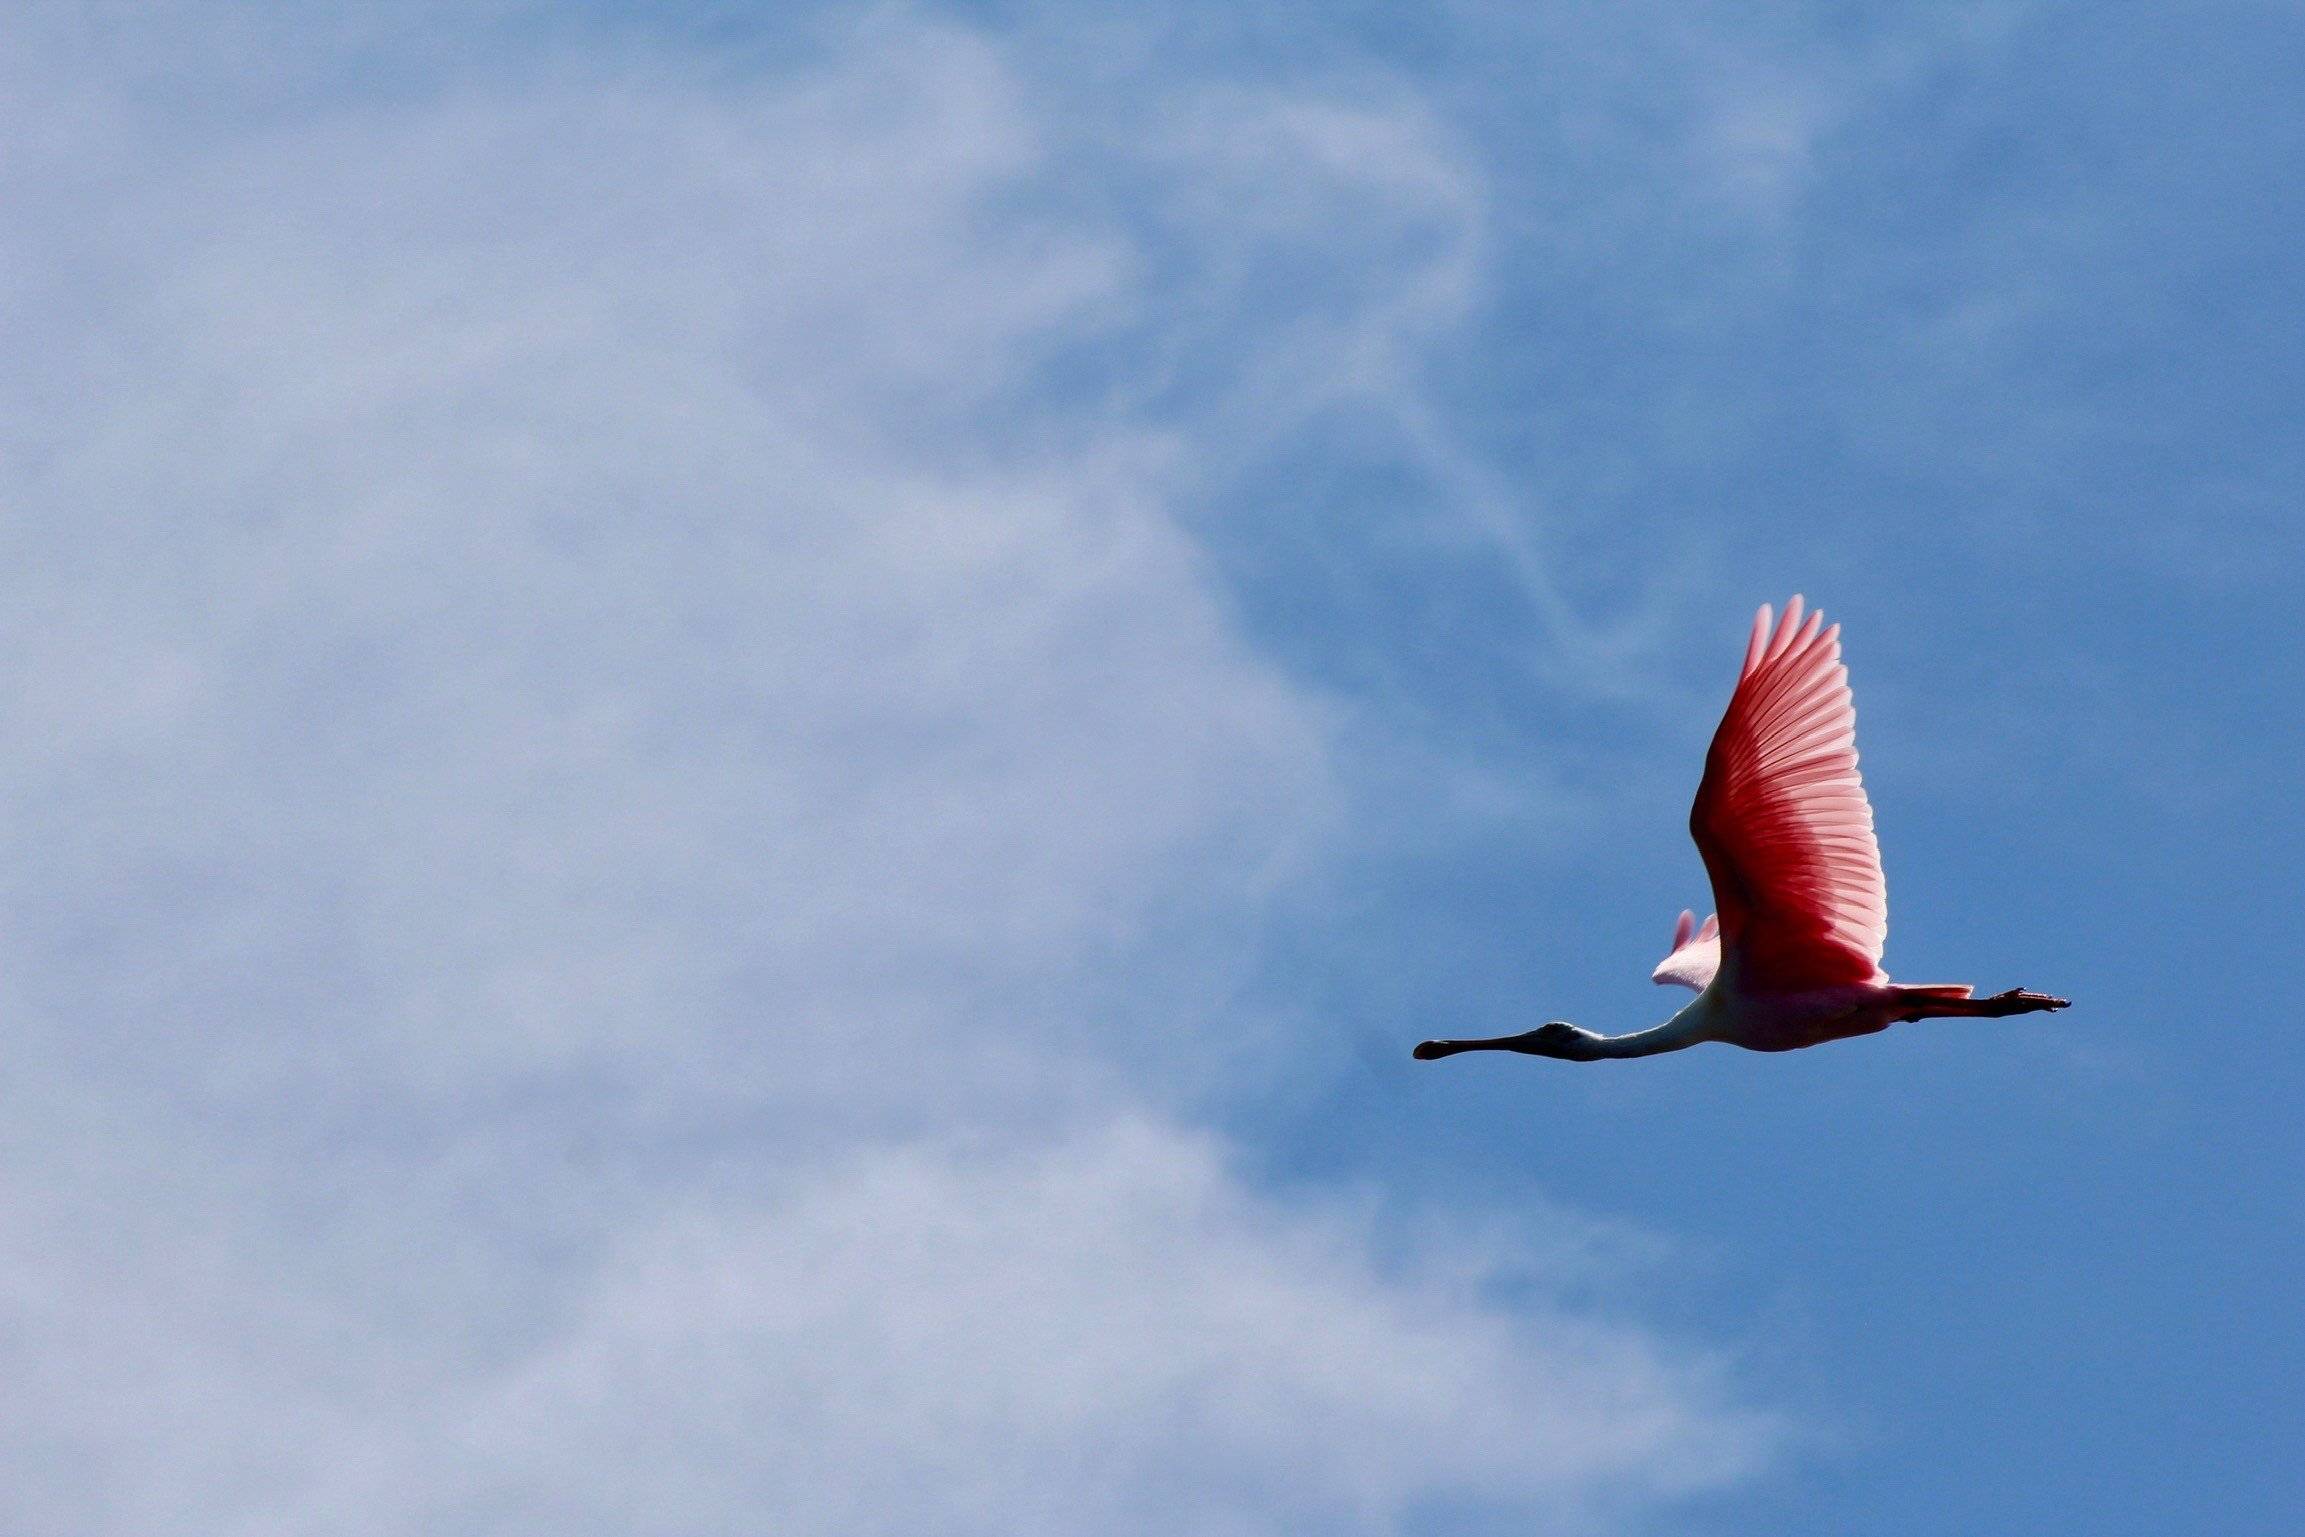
[581,705]
[1101,1331]
[1126,1342]
[579,518]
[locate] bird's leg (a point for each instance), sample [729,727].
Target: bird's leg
[2000,1005]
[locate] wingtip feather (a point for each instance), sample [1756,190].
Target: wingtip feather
[1762,620]
[1787,627]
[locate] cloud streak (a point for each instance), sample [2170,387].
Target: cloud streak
[634,832]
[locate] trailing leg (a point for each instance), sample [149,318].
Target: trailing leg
[1954,1003]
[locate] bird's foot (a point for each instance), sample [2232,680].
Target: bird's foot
[2018,1001]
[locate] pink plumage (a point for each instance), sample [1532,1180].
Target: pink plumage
[1782,820]
[1695,956]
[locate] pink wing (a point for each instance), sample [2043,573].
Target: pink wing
[1782,821]
[1695,956]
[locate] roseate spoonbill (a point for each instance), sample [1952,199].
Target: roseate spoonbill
[1794,956]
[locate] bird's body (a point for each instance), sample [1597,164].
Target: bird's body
[1793,958]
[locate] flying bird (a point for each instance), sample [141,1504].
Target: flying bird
[1792,957]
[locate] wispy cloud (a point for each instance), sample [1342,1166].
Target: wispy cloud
[590,716]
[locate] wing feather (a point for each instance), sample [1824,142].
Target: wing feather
[1695,956]
[1782,820]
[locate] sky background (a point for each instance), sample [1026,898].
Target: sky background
[741,740]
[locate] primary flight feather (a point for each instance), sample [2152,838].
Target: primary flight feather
[1793,957]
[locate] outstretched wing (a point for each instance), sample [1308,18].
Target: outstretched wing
[1782,821]
[1695,956]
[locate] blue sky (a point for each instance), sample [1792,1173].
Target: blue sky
[744,739]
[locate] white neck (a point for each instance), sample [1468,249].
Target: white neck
[1683,1030]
